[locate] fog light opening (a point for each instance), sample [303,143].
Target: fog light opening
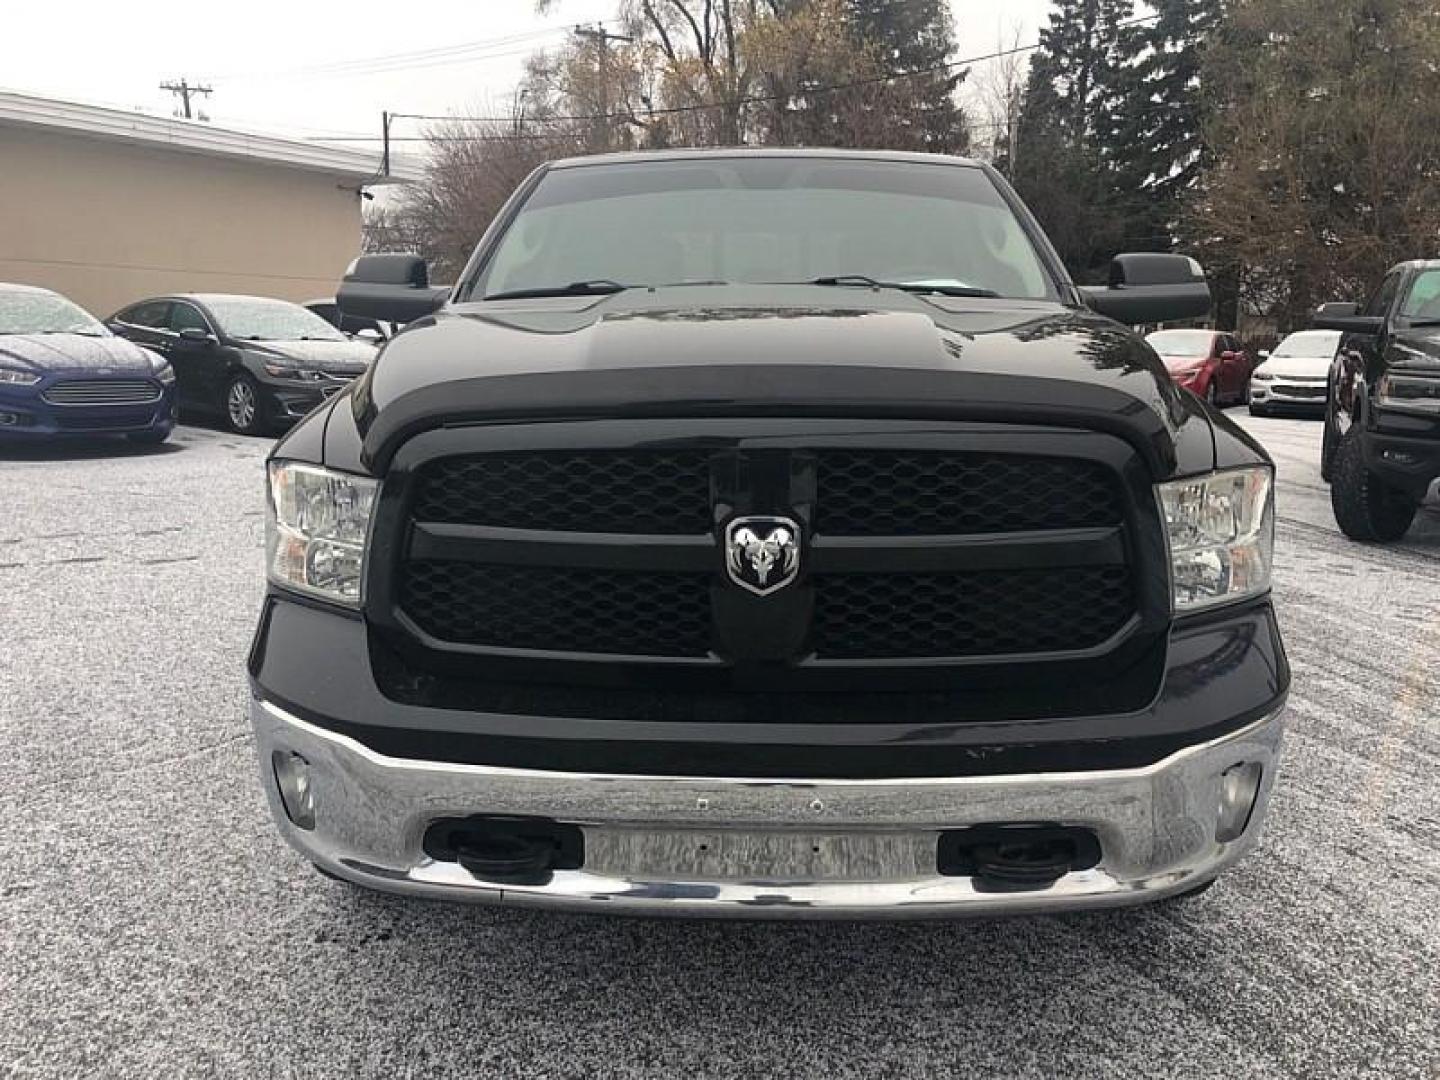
[1239,788]
[9,419]
[297,790]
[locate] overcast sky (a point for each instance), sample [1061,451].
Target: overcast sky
[301,68]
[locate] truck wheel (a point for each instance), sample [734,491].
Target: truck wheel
[1327,448]
[1365,508]
[1212,395]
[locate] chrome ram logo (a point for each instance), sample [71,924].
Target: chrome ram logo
[762,554]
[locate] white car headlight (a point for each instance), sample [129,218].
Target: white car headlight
[18,378]
[317,529]
[1220,528]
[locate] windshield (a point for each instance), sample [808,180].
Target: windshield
[767,219]
[269,320]
[1423,301]
[1194,343]
[25,312]
[1318,345]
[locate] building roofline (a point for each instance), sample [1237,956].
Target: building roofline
[197,137]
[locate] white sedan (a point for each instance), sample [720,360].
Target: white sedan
[1295,377]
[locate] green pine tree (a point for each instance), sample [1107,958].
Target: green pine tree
[1068,166]
[915,36]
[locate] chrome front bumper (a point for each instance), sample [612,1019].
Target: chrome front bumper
[831,848]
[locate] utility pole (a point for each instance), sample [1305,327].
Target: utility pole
[602,39]
[183,90]
[385,119]
[1013,109]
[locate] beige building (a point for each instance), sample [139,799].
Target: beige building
[108,206]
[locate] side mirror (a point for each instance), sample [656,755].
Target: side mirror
[1344,317]
[1230,355]
[1151,288]
[1264,354]
[194,335]
[390,288]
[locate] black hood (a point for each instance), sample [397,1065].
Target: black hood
[58,353]
[788,351]
[340,357]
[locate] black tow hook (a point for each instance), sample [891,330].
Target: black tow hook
[506,858]
[507,850]
[1016,858]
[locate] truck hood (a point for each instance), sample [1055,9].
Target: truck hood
[47,353]
[778,351]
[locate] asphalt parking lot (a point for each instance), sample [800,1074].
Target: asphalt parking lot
[152,923]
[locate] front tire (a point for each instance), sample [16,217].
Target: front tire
[1366,509]
[1329,441]
[1212,395]
[244,411]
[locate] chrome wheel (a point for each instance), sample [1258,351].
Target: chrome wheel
[241,406]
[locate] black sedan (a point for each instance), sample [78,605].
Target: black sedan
[62,373]
[259,363]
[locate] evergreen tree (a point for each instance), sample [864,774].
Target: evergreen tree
[1162,129]
[915,36]
[1069,167]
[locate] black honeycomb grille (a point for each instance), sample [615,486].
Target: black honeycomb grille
[918,493]
[659,492]
[890,616]
[554,608]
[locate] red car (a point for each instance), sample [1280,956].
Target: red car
[1210,363]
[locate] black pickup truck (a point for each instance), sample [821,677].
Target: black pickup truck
[770,534]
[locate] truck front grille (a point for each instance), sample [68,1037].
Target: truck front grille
[863,616]
[910,493]
[907,553]
[595,491]
[559,609]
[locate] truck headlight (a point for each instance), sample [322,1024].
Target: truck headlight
[18,378]
[316,530]
[1221,533]
[1420,392]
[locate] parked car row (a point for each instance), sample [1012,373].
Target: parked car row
[256,362]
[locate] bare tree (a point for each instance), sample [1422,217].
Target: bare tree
[1324,148]
[999,90]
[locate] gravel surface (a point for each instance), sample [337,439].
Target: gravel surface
[152,923]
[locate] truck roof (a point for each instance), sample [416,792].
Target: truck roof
[697,153]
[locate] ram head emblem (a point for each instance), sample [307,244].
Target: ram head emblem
[762,554]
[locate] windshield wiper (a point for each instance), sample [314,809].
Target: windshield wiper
[595,287]
[939,288]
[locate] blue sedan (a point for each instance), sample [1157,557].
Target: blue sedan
[63,373]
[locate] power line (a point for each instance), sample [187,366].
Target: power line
[463,52]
